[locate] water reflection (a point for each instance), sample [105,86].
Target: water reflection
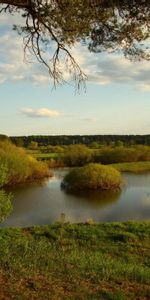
[44,203]
[95,199]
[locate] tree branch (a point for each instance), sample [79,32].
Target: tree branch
[104,25]
[17,3]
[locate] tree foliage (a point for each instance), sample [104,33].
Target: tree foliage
[103,25]
[55,140]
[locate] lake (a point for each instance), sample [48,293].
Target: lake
[37,204]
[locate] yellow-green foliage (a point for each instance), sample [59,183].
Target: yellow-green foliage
[5,199]
[77,155]
[3,173]
[5,205]
[92,176]
[134,167]
[110,155]
[21,167]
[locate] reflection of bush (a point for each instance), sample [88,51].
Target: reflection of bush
[92,177]
[98,198]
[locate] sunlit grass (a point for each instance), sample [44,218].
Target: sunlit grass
[135,167]
[82,261]
[46,155]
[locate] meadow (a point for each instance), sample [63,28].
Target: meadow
[83,261]
[134,167]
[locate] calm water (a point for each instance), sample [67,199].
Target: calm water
[44,203]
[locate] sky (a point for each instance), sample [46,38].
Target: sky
[116,100]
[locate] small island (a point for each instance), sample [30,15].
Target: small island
[92,176]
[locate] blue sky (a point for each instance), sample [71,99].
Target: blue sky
[116,101]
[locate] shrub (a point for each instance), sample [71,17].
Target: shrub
[77,155]
[109,155]
[5,199]
[21,166]
[5,205]
[3,173]
[16,167]
[92,176]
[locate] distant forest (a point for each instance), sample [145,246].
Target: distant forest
[44,140]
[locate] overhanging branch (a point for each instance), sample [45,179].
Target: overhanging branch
[17,3]
[104,25]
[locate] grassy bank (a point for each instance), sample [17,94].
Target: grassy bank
[103,261]
[46,156]
[134,167]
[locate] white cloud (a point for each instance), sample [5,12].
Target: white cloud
[116,69]
[12,65]
[40,113]
[9,20]
[40,79]
[91,119]
[2,79]
[144,87]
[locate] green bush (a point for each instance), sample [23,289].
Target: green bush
[3,173]
[5,205]
[20,166]
[77,155]
[120,154]
[5,199]
[92,176]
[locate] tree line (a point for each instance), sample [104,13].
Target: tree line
[55,140]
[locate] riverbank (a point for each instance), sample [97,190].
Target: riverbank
[82,261]
[133,167]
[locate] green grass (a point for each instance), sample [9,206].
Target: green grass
[46,155]
[82,261]
[135,167]
[40,155]
[29,151]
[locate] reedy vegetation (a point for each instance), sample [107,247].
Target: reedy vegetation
[134,167]
[21,167]
[5,199]
[79,155]
[92,176]
[16,167]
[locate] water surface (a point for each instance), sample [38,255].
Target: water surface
[44,203]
